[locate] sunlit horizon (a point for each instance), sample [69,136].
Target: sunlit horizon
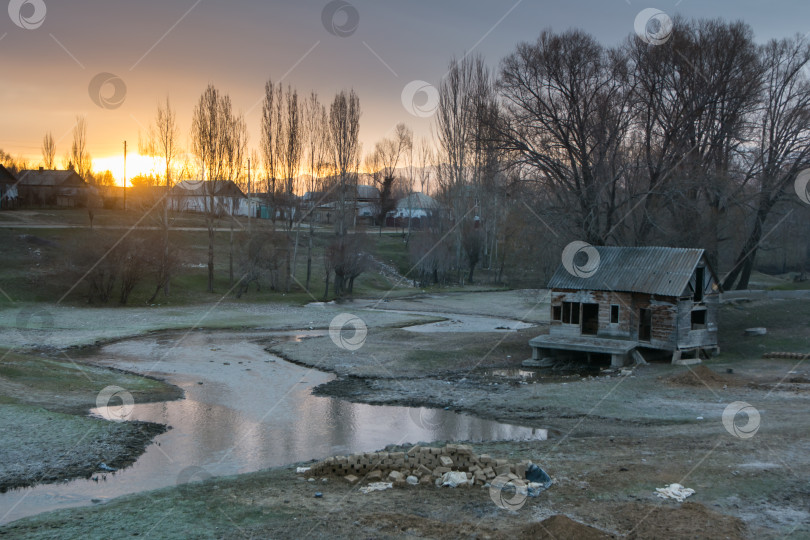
[136,165]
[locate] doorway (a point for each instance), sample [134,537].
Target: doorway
[644,324]
[590,319]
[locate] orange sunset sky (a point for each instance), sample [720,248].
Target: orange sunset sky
[157,48]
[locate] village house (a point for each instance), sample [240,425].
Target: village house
[636,302]
[197,196]
[416,210]
[364,203]
[8,190]
[44,187]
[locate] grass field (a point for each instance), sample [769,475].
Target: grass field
[40,248]
[785,320]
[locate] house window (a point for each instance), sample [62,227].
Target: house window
[556,313]
[699,319]
[614,314]
[700,276]
[570,312]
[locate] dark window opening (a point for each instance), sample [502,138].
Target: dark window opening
[570,312]
[590,319]
[700,276]
[644,324]
[614,314]
[699,319]
[556,313]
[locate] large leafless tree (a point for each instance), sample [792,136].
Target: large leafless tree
[219,140]
[780,145]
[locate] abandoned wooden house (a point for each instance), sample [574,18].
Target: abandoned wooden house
[638,302]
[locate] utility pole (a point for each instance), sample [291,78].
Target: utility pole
[125,176]
[250,201]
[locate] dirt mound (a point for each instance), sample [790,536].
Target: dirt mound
[688,520]
[702,376]
[558,526]
[411,525]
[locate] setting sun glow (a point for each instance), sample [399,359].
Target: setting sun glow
[136,165]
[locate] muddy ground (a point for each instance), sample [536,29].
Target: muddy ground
[45,433]
[613,439]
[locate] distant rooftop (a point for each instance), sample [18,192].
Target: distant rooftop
[48,177]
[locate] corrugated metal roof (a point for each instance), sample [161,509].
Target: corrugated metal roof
[367,192]
[49,177]
[417,200]
[654,270]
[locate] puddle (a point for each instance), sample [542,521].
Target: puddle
[252,411]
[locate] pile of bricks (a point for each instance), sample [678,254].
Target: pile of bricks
[423,465]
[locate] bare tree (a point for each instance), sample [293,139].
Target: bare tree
[271,134]
[48,151]
[292,145]
[316,134]
[566,100]
[218,140]
[162,142]
[383,163]
[781,142]
[462,96]
[344,130]
[424,164]
[79,156]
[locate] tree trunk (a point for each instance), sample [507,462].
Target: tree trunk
[326,289]
[309,258]
[744,263]
[210,223]
[288,266]
[230,254]
[166,274]
[295,247]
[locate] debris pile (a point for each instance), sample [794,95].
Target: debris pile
[674,491]
[422,465]
[786,355]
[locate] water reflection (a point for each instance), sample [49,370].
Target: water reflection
[252,411]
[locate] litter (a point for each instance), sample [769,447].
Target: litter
[455,479]
[538,475]
[376,486]
[105,467]
[674,491]
[300,470]
[538,479]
